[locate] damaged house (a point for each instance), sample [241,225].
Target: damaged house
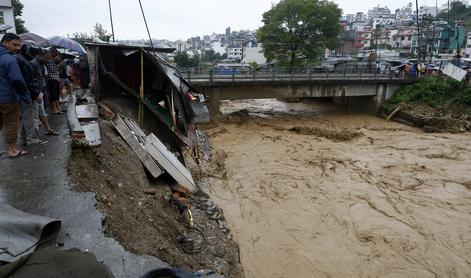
[143,86]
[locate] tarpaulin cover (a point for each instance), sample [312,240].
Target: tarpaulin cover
[21,232]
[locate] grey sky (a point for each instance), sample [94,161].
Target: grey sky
[174,19]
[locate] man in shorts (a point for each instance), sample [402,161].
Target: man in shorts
[12,87]
[39,76]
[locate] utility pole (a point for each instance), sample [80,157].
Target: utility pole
[111,19]
[418,30]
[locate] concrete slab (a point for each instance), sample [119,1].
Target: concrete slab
[86,112]
[37,183]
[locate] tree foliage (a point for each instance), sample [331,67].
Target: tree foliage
[211,56]
[184,61]
[17,12]
[101,33]
[296,32]
[458,11]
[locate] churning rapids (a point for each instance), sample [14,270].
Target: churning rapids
[310,190]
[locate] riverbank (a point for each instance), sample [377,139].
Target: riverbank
[314,191]
[433,104]
[137,213]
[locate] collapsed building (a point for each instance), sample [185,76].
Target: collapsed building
[143,86]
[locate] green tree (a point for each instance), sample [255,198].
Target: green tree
[458,11]
[82,37]
[211,56]
[17,12]
[184,61]
[100,32]
[296,32]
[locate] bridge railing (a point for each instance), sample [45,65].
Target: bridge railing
[357,73]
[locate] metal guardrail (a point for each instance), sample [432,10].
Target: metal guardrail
[211,76]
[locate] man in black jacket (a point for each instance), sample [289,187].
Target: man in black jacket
[29,112]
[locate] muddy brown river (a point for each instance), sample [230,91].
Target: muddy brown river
[310,190]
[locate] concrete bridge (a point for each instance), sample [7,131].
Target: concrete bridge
[360,91]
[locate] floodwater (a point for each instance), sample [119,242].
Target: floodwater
[310,190]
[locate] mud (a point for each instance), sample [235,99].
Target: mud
[138,213]
[391,201]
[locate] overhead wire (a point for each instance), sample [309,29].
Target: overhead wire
[147,27]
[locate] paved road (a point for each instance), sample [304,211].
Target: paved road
[37,183]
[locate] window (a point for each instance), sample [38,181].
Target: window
[2,19]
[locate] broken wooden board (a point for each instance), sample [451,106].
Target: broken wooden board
[87,112]
[169,162]
[137,147]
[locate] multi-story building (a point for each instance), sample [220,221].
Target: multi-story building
[440,38]
[402,40]
[254,55]
[428,11]
[379,12]
[350,18]
[360,17]
[234,53]
[6,15]
[405,14]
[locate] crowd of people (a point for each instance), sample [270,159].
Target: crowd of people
[34,81]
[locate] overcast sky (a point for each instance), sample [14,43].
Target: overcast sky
[174,19]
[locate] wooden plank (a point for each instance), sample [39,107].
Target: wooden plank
[169,162]
[137,147]
[87,112]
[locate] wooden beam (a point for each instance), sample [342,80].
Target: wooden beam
[141,92]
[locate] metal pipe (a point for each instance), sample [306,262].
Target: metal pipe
[111,19]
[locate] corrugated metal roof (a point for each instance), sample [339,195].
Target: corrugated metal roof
[130,47]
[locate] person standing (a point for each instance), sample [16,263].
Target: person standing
[12,87]
[53,81]
[39,77]
[29,111]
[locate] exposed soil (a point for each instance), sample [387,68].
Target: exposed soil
[138,214]
[435,120]
[391,201]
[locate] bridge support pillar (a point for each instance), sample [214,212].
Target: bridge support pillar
[214,102]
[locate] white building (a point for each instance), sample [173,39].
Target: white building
[425,10]
[6,15]
[467,50]
[218,47]
[234,53]
[350,18]
[254,54]
[405,14]
[379,12]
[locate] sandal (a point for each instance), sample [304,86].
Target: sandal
[18,154]
[52,133]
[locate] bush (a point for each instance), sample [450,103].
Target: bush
[433,92]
